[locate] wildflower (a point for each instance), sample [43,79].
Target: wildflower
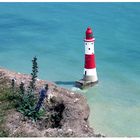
[43,94]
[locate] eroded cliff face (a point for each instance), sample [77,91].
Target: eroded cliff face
[71,107]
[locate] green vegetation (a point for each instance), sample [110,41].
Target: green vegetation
[27,107]
[22,88]
[33,74]
[20,99]
[28,99]
[7,102]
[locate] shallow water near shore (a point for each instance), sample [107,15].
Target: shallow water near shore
[54,32]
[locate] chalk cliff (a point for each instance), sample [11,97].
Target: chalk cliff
[71,107]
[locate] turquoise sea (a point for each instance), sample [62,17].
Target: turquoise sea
[54,32]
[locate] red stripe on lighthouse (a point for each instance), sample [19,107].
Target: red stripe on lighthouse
[90,61]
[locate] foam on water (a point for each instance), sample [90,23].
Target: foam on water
[54,32]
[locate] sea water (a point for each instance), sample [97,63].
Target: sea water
[54,32]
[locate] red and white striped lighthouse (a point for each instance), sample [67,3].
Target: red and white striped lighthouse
[90,73]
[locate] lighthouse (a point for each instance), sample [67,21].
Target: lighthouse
[90,74]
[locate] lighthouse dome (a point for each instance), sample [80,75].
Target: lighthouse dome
[89,33]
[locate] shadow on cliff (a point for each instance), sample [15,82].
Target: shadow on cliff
[69,83]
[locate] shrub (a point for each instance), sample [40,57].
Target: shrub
[22,88]
[33,74]
[28,100]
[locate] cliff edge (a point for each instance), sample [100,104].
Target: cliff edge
[71,106]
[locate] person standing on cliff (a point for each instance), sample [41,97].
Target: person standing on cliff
[43,94]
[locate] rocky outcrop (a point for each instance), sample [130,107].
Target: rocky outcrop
[71,107]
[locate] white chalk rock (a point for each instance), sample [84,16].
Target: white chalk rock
[76,99]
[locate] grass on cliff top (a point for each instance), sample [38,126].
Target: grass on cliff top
[6,104]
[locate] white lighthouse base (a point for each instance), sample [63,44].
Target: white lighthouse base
[91,78]
[84,84]
[90,75]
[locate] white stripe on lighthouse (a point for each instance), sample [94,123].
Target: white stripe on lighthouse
[90,71]
[91,74]
[89,47]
